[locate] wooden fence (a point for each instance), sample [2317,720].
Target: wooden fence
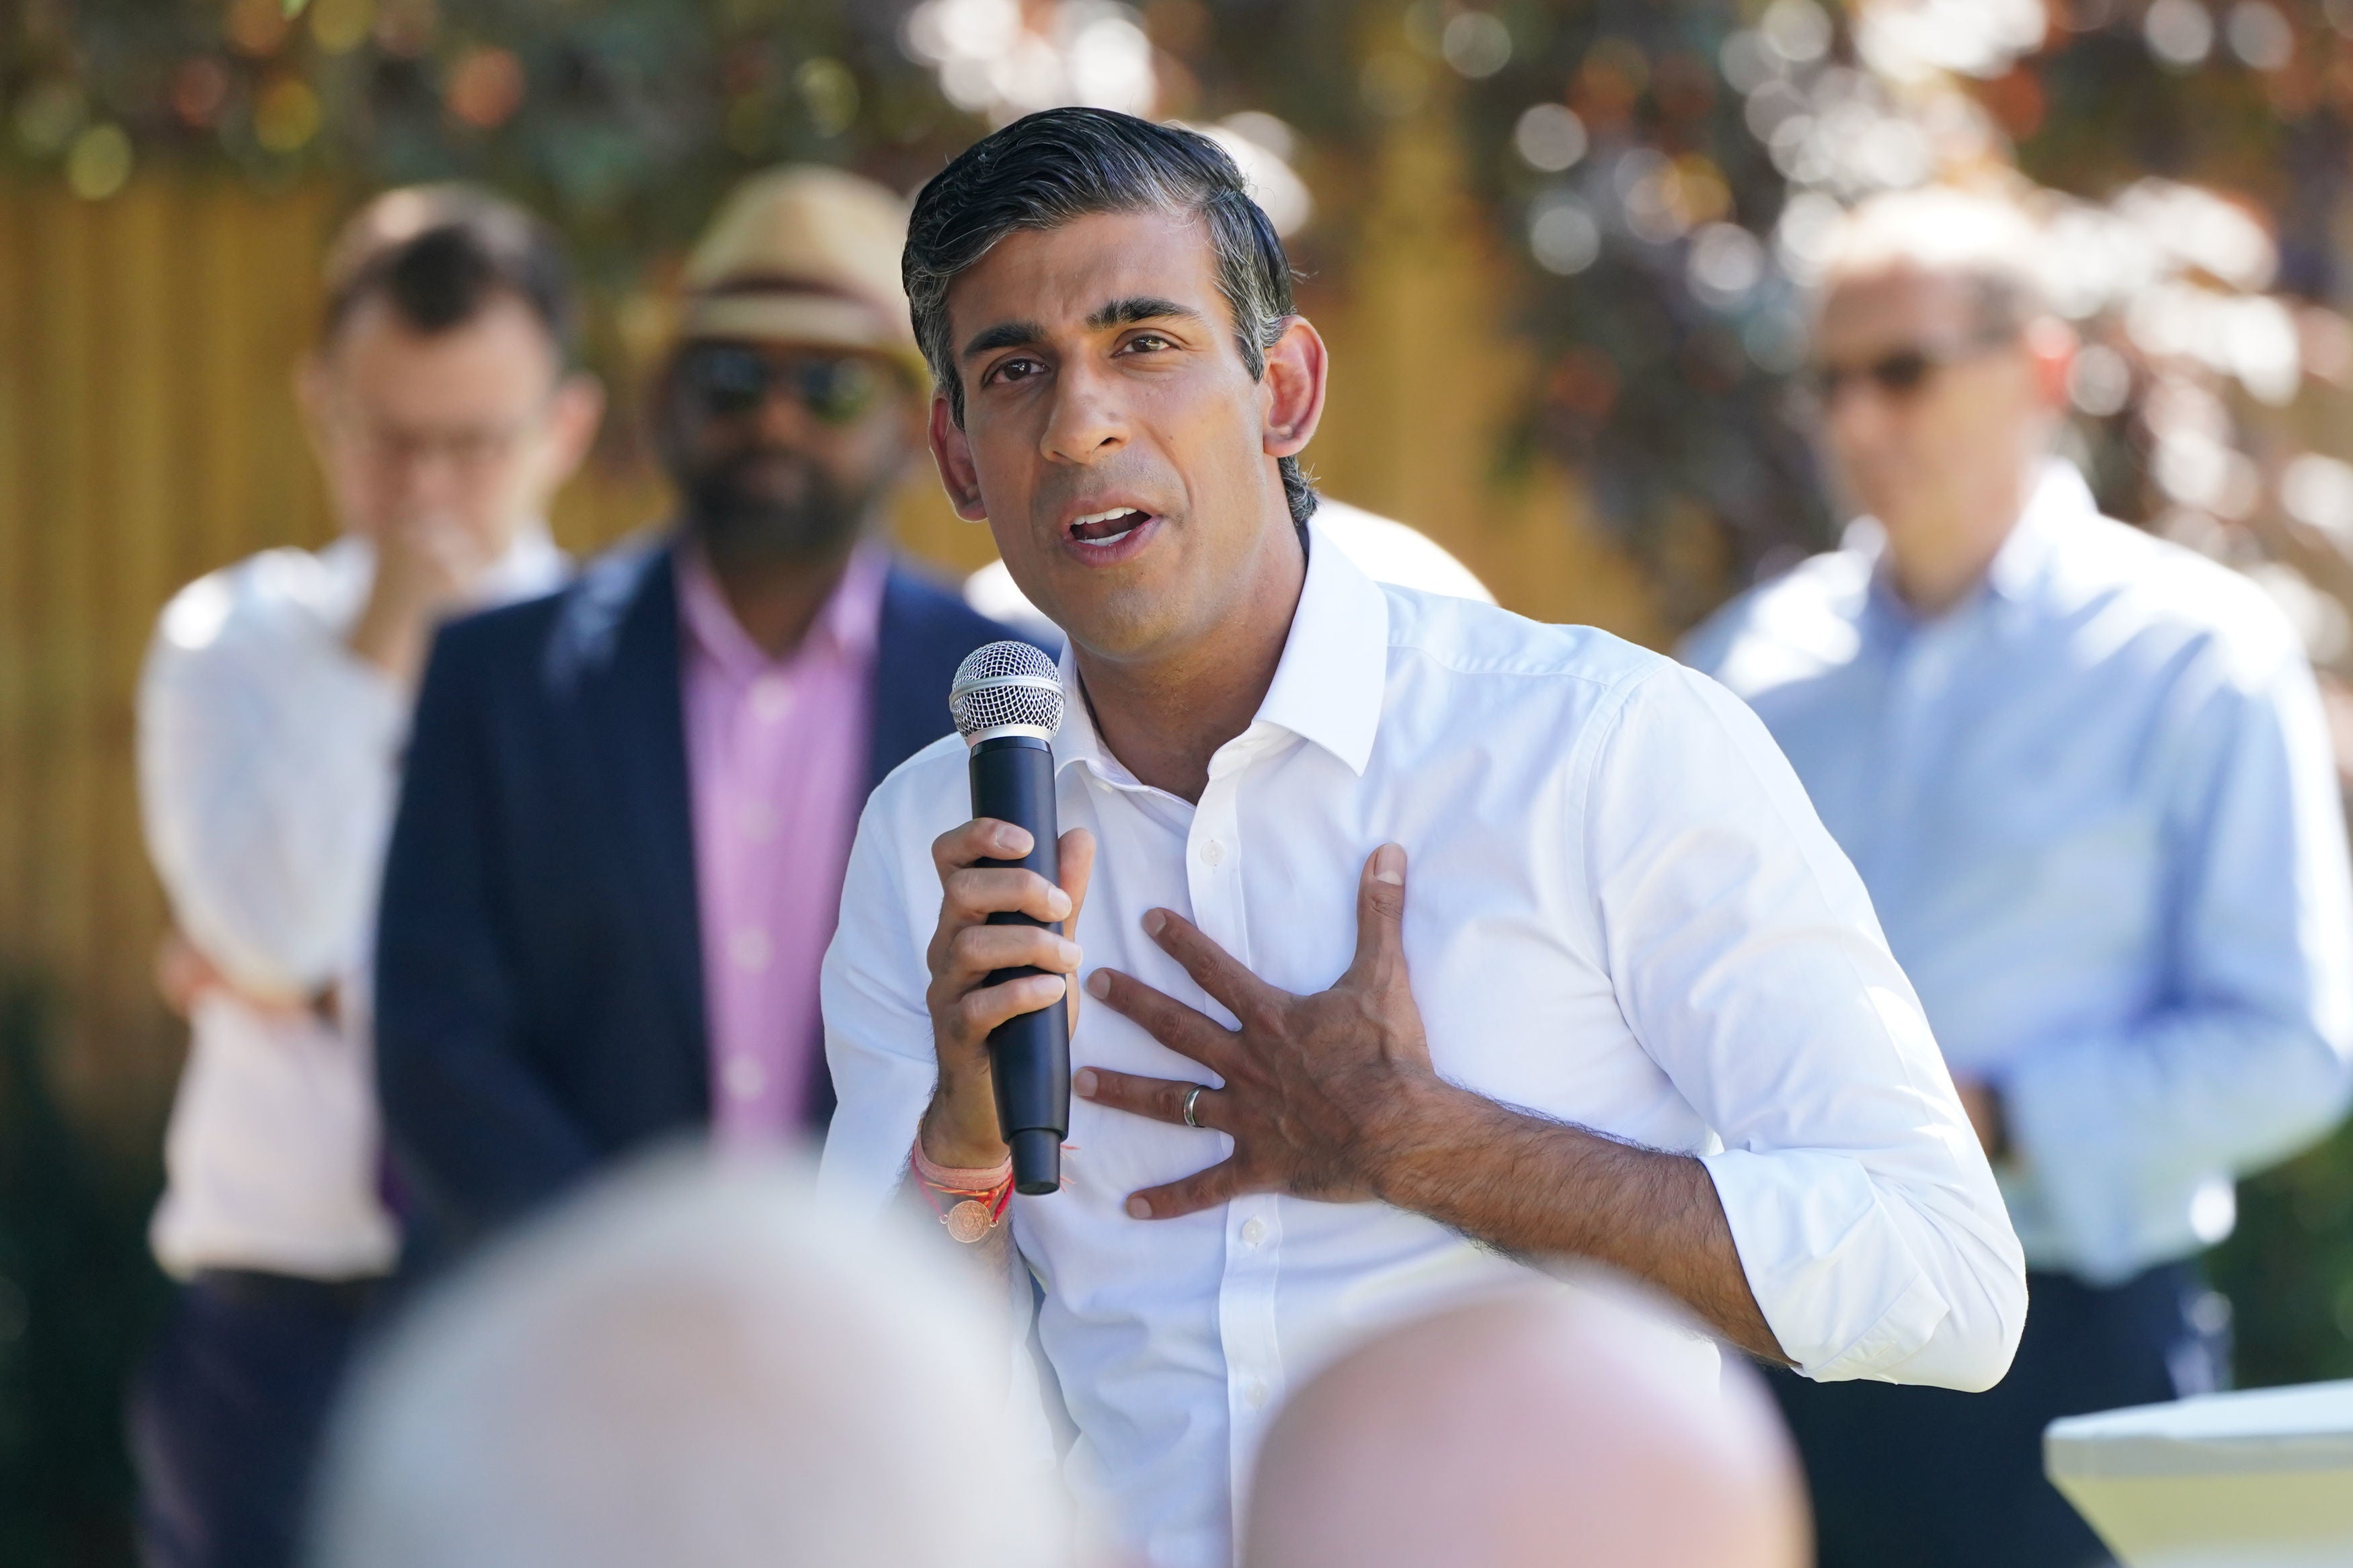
[148,434]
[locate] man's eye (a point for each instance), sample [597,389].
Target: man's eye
[1013,370]
[1149,342]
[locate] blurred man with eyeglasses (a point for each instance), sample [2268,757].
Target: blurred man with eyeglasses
[444,412]
[2085,777]
[628,808]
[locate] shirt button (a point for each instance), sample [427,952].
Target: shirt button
[1255,1394]
[771,698]
[749,948]
[742,1077]
[1212,851]
[1254,1232]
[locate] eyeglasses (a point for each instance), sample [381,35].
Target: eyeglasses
[1900,374]
[731,380]
[471,448]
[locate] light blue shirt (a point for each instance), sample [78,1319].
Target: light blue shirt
[2096,808]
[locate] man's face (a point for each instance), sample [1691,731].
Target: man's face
[1954,413]
[1113,437]
[475,425]
[783,450]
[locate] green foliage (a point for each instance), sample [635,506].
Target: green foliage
[78,1298]
[2288,1269]
[1666,395]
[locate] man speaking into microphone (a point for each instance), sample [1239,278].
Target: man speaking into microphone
[1422,945]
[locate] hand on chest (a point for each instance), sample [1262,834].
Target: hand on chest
[1514,1003]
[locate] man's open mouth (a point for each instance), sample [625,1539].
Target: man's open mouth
[1101,529]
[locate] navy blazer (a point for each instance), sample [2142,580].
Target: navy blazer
[539,1004]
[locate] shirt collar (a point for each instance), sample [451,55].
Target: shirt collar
[2059,498]
[1335,669]
[531,565]
[847,625]
[1328,686]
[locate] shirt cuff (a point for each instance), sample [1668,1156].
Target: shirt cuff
[2065,1138]
[1838,1287]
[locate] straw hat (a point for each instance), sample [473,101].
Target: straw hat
[804,254]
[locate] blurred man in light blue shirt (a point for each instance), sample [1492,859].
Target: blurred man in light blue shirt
[2085,776]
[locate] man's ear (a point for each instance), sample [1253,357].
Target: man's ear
[952,452]
[2051,345]
[1296,366]
[575,412]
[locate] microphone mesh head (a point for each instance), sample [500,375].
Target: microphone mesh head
[1006,686]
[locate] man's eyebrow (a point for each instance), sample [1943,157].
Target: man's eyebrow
[1118,314]
[1004,335]
[1141,308]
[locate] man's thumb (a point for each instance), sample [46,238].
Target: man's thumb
[1380,906]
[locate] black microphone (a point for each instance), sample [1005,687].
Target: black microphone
[1007,702]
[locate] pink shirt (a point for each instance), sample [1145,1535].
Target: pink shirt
[776,751]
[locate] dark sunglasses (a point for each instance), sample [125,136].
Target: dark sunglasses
[1897,374]
[731,380]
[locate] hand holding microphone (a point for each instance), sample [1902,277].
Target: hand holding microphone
[1009,887]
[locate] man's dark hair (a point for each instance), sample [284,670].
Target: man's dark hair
[1050,168]
[438,255]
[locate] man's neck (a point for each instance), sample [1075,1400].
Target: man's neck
[776,598]
[1935,562]
[1164,718]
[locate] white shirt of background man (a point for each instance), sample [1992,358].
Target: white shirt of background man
[1620,912]
[268,761]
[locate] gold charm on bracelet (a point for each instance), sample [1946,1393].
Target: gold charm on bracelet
[968,1221]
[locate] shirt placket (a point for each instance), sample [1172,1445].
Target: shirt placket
[1245,1293]
[1919,681]
[748,1076]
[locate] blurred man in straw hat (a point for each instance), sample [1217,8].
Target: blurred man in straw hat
[627,807]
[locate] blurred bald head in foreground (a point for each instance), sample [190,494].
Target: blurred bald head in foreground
[1532,1430]
[700,1365]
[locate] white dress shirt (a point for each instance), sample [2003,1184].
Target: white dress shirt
[1619,912]
[2096,808]
[269,758]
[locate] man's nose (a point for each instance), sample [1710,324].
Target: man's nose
[431,477]
[1857,414]
[783,419]
[1087,420]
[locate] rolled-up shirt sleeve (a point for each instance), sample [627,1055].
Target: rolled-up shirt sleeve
[266,768]
[1748,961]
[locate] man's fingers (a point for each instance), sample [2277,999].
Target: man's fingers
[1164,1018]
[976,892]
[1213,969]
[1161,1098]
[1380,917]
[1074,853]
[978,950]
[1202,1190]
[978,1011]
[982,838]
